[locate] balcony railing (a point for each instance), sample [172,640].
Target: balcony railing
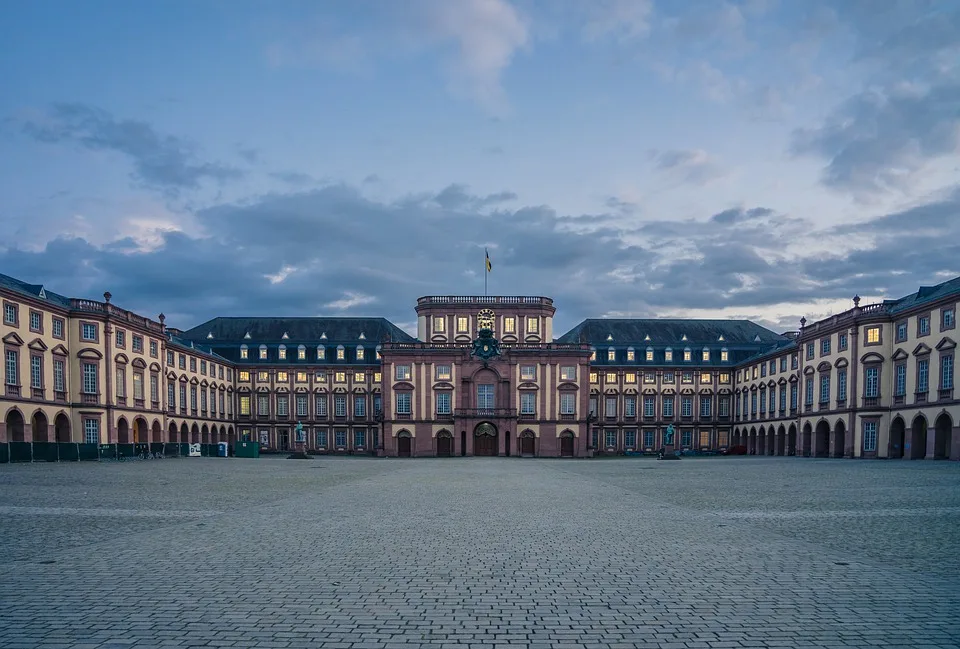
[92,306]
[870,402]
[60,395]
[486,412]
[89,399]
[519,346]
[484,299]
[920,397]
[37,393]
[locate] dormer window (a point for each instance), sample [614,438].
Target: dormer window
[378,352]
[649,354]
[244,352]
[323,336]
[611,354]
[725,355]
[359,352]
[321,352]
[340,353]
[631,355]
[263,352]
[706,355]
[593,354]
[668,355]
[282,352]
[687,355]
[301,353]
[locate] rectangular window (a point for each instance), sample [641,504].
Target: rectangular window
[783,364]
[706,356]
[301,377]
[610,437]
[339,377]
[724,407]
[36,321]
[182,362]
[485,396]
[568,403]
[138,385]
[630,438]
[533,325]
[321,436]
[263,405]
[725,378]
[668,406]
[88,332]
[439,324]
[631,355]
[901,332]
[648,438]
[793,395]
[443,403]
[183,399]
[121,379]
[359,377]
[872,383]
[359,406]
[923,376]
[630,406]
[753,403]
[668,378]
[763,370]
[403,403]
[528,403]
[90,380]
[610,407]
[138,344]
[724,356]
[301,405]
[528,372]
[686,377]
[171,395]
[320,403]
[686,438]
[808,391]
[629,377]
[900,382]
[340,437]
[763,400]
[59,384]
[668,355]
[193,397]
[339,405]
[947,318]
[649,407]
[91,431]
[443,372]
[825,347]
[611,355]
[610,377]
[10,314]
[57,328]
[203,400]
[509,325]
[154,351]
[687,355]
[463,324]
[706,378]
[873,335]
[568,373]
[359,438]
[402,372]
[842,385]
[36,372]
[121,338]
[923,325]
[686,407]
[825,388]
[842,341]
[946,372]
[341,353]
[869,436]
[705,404]
[377,378]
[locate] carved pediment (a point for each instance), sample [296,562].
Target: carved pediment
[668,391]
[13,339]
[611,391]
[794,379]
[508,338]
[339,390]
[630,391]
[203,383]
[262,389]
[359,390]
[686,391]
[871,357]
[898,355]
[320,389]
[241,390]
[650,391]
[594,392]
[782,381]
[139,363]
[121,359]
[300,389]
[37,345]
[526,385]
[825,366]
[771,384]
[841,362]
[155,367]
[568,385]
[809,370]
[921,350]
[194,381]
[60,350]
[946,343]
[403,385]
[706,391]
[89,352]
[725,391]
[462,338]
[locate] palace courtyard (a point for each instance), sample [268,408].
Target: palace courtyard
[382,553]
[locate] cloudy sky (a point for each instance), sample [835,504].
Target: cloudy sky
[751,158]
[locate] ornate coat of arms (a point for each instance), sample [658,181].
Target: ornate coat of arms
[486,346]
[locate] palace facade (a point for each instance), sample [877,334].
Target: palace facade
[483,376]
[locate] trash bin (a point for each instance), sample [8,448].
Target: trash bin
[246,449]
[222,449]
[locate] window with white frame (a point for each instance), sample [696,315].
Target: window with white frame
[402,372]
[88,332]
[808,389]
[171,395]
[568,372]
[36,372]
[320,403]
[686,438]
[872,382]
[90,383]
[946,372]
[668,406]
[339,405]
[203,399]
[923,376]
[321,437]
[629,406]
[686,407]
[724,407]
[528,403]
[59,376]
[443,403]
[9,314]
[301,405]
[610,437]
[649,406]
[900,381]
[485,396]
[528,372]
[57,328]
[869,436]
[341,438]
[403,403]
[630,438]
[568,403]
[824,388]
[443,372]
[610,407]
[648,438]
[360,406]
[705,405]
[91,431]
[359,438]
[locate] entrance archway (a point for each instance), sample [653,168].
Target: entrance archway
[806,439]
[444,444]
[205,436]
[485,439]
[184,433]
[39,426]
[781,441]
[123,431]
[528,444]
[898,431]
[61,429]
[14,422]
[566,444]
[822,440]
[792,440]
[403,444]
[195,434]
[839,439]
[172,433]
[918,438]
[140,435]
[762,441]
[156,435]
[942,432]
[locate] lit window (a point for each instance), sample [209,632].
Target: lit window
[630,377]
[360,353]
[873,335]
[594,377]
[340,353]
[402,372]
[283,377]
[301,353]
[649,378]
[321,352]
[631,355]
[687,354]
[377,377]
[593,354]
[724,377]
[611,354]
[568,373]
[706,378]
[263,376]
[611,377]
[244,375]
[439,324]
[706,355]
[340,377]
[649,354]
[724,355]
[263,352]
[510,325]
[243,351]
[533,325]
[301,377]
[528,372]
[463,324]
[359,377]
[668,355]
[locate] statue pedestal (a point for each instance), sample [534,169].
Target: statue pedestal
[669,453]
[300,453]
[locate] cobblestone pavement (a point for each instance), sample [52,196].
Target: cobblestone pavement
[369,554]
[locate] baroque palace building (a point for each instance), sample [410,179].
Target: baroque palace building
[483,376]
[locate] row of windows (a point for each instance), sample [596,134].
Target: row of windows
[668,378]
[88,330]
[762,369]
[630,355]
[263,376]
[463,324]
[359,353]
[226,405]
[301,403]
[611,438]
[706,405]
[320,437]
[136,342]
[215,371]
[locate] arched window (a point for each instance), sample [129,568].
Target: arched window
[359,352]
[263,352]
[244,352]
[301,353]
[282,352]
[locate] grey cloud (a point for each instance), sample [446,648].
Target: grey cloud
[162,162]
[456,196]
[334,241]
[692,166]
[295,178]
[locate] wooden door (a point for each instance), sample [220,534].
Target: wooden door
[485,445]
[566,446]
[403,446]
[444,446]
[527,445]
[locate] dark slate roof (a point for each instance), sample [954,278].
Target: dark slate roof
[668,332]
[925,295]
[779,347]
[298,330]
[189,345]
[33,290]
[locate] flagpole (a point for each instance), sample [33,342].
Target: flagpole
[485,273]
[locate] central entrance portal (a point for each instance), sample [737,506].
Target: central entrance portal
[485,439]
